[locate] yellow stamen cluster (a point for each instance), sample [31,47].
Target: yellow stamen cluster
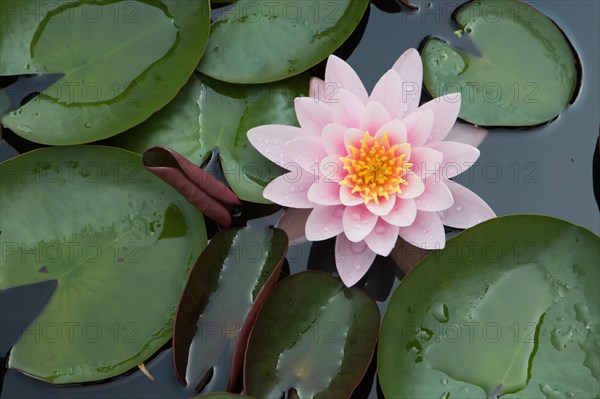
[376,169]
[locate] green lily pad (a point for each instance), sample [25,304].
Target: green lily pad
[264,41]
[208,114]
[313,338]
[526,73]
[119,242]
[508,308]
[231,279]
[132,60]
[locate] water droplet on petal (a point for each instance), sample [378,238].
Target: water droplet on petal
[459,208]
[380,229]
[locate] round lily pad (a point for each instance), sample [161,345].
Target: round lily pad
[119,242]
[209,114]
[133,58]
[313,338]
[526,72]
[508,307]
[264,41]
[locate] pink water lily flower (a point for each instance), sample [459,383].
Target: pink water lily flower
[372,168]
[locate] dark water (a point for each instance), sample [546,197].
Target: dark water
[545,170]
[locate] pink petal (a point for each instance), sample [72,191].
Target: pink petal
[317,89]
[414,188]
[312,115]
[291,189]
[383,238]
[426,161]
[384,207]
[293,222]
[347,109]
[410,69]
[306,151]
[436,196]
[339,72]
[270,141]
[467,134]
[427,231]
[325,192]
[468,210]
[374,117]
[445,111]
[418,127]
[353,259]
[403,213]
[352,137]
[348,198]
[332,169]
[358,222]
[388,92]
[457,157]
[333,139]
[396,132]
[324,222]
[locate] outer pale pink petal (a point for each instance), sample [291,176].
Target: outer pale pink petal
[325,192]
[418,127]
[426,161]
[403,213]
[427,231]
[374,117]
[348,198]
[396,132]
[383,238]
[291,190]
[352,137]
[457,157]
[358,222]
[306,151]
[293,222]
[353,259]
[312,115]
[445,111]
[468,210]
[414,188]
[347,109]
[333,139]
[324,222]
[388,92]
[410,69]
[436,196]
[332,169]
[317,89]
[467,134]
[270,141]
[339,72]
[383,207]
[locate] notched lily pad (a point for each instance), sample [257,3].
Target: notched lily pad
[132,59]
[525,75]
[208,114]
[313,338]
[264,41]
[229,282]
[526,322]
[118,241]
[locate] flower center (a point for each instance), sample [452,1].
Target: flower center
[376,169]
